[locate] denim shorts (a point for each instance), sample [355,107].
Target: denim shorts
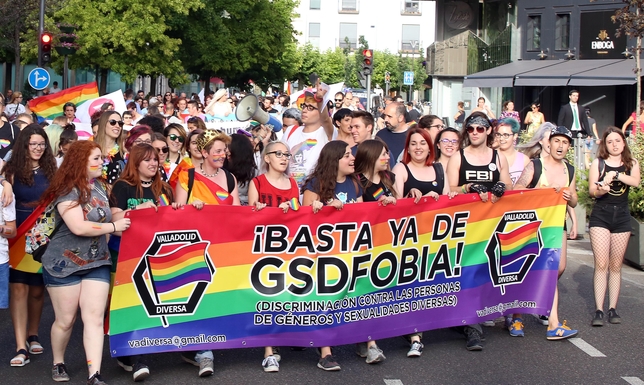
[617,219]
[98,274]
[4,285]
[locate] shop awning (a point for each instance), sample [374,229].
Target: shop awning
[560,74]
[503,76]
[621,72]
[597,72]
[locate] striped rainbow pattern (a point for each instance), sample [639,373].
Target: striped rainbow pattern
[222,195]
[229,302]
[18,259]
[294,203]
[378,193]
[519,242]
[4,143]
[183,266]
[51,106]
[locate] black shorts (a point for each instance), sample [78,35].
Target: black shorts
[31,279]
[617,219]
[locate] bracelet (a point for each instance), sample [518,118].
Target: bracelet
[113,225]
[616,176]
[463,188]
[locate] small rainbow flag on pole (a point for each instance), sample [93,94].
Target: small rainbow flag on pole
[183,266]
[519,242]
[51,106]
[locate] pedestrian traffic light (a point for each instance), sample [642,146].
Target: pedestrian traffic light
[45,48]
[367,61]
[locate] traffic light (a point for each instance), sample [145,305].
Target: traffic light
[367,61]
[45,48]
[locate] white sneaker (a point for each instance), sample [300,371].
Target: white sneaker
[206,367]
[270,364]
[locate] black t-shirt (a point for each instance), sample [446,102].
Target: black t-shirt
[124,195]
[8,135]
[375,191]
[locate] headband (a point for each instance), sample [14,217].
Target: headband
[479,120]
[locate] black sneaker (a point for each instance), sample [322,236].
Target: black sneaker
[125,362]
[613,317]
[599,318]
[473,339]
[96,380]
[328,363]
[140,371]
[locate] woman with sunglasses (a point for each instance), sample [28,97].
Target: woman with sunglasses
[167,98]
[28,173]
[274,188]
[534,118]
[159,144]
[15,108]
[139,187]
[176,137]
[194,158]
[448,141]
[333,183]
[110,137]
[477,168]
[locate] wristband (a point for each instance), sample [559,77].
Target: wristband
[616,177]
[463,188]
[113,225]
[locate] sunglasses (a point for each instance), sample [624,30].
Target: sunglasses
[338,100]
[308,107]
[163,150]
[174,137]
[478,129]
[114,122]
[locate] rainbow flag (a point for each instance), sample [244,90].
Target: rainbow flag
[163,200]
[378,193]
[51,106]
[183,266]
[18,258]
[519,242]
[294,203]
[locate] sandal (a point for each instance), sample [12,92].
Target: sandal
[21,361]
[34,345]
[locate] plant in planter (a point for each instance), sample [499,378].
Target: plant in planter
[67,48]
[66,27]
[67,37]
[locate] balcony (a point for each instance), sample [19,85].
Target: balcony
[349,6]
[410,8]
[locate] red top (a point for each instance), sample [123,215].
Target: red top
[273,196]
[634,128]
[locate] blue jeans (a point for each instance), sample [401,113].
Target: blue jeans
[4,285]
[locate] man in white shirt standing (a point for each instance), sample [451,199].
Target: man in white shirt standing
[306,141]
[54,88]
[573,116]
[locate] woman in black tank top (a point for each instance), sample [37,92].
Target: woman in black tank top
[610,177]
[417,175]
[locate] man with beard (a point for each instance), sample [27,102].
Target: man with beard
[554,172]
[396,130]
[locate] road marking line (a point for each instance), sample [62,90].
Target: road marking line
[633,380]
[578,250]
[586,347]
[395,382]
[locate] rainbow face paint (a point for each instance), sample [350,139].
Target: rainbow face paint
[218,157]
[94,168]
[96,227]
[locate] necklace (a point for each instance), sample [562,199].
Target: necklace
[146,183]
[208,175]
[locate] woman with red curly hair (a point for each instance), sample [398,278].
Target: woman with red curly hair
[76,265]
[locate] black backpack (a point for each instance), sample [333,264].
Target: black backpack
[537,172]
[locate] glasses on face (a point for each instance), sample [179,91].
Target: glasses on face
[438,126]
[307,107]
[162,150]
[446,141]
[479,129]
[37,145]
[504,136]
[174,137]
[142,141]
[114,122]
[534,107]
[338,100]
[280,154]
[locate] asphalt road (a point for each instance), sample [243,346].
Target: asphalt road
[611,354]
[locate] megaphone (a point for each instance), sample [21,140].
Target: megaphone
[248,108]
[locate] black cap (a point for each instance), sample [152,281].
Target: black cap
[561,131]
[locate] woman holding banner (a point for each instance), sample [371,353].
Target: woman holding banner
[28,173]
[274,188]
[76,265]
[372,166]
[139,187]
[207,184]
[193,158]
[333,183]
[110,138]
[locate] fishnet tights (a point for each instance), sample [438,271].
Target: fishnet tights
[608,250]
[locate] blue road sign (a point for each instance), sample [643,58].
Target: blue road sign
[408,78]
[39,78]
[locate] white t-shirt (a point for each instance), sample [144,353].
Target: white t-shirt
[7,214]
[306,148]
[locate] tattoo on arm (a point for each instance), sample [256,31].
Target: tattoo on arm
[526,176]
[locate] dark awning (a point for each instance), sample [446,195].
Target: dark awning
[560,74]
[503,76]
[621,72]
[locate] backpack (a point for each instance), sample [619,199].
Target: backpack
[37,238]
[537,172]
